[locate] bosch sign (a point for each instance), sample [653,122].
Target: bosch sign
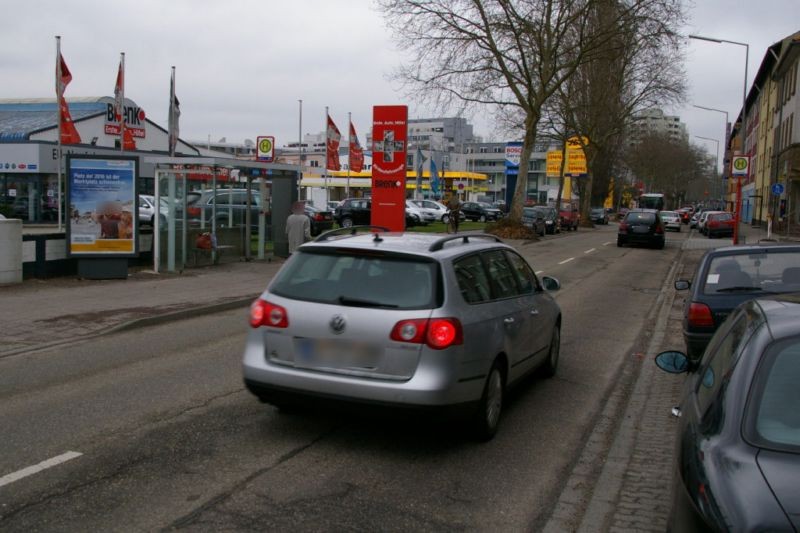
[134,120]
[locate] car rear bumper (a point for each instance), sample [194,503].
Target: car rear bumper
[431,385]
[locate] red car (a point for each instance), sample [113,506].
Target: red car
[719,224]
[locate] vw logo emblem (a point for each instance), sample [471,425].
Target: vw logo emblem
[338,323]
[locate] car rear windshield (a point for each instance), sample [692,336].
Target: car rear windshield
[774,271]
[721,216]
[640,218]
[777,396]
[361,280]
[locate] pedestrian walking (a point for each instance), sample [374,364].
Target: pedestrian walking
[298,227]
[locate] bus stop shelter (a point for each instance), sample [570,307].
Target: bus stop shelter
[229,216]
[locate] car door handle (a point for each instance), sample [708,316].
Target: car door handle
[509,320]
[676,412]
[534,312]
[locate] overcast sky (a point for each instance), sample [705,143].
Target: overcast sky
[243,65]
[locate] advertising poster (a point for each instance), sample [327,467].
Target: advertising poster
[102,200]
[389,131]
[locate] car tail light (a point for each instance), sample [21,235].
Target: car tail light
[437,333]
[623,227]
[700,315]
[659,229]
[193,211]
[318,217]
[264,313]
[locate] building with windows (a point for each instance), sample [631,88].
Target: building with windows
[655,121]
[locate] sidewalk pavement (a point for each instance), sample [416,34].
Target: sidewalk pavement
[37,314]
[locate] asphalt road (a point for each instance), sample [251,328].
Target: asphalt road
[168,438]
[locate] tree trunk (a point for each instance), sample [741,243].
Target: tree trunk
[521,190]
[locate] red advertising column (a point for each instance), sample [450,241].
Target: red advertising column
[389,130]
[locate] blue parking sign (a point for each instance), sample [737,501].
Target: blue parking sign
[777,188]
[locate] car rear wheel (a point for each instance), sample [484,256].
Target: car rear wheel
[482,218]
[619,242]
[347,222]
[487,418]
[445,219]
[550,366]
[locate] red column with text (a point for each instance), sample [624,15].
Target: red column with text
[389,132]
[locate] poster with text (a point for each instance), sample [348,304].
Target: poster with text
[102,206]
[389,132]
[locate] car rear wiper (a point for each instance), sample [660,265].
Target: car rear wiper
[346,300]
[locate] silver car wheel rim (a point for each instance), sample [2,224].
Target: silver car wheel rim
[494,398]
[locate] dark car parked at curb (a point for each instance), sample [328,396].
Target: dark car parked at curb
[641,226]
[738,453]
[599,215]
[358,212]
[534,219]
[412,321]
[726,277]
[551,219]
[480,211]
[320,220]
[230,209]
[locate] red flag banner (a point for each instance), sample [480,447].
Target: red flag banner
[68,133]
[332,146]
[356,156]
[128,143]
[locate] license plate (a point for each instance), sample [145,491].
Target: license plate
[335,353]
[641,229]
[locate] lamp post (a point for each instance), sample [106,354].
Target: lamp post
[725,136]
[743,127]
[716,161]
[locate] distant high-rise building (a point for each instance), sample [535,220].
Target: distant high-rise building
[654,121]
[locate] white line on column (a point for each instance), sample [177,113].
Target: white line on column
[589,251]
[35,469]
[567,260]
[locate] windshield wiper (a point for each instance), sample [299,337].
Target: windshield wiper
[346,300]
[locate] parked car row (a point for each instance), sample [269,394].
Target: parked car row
[738,454]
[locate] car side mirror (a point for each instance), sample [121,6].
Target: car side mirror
[682,284]
[673,362]
[550,284]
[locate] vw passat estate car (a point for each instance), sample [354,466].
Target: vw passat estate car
[403,319]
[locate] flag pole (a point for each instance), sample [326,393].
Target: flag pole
[300,151]
[349,153]
[172,141]
[325,166]
[122,107]
[58,134]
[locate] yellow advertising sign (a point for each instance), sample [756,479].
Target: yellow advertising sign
[554,160]
[576,159]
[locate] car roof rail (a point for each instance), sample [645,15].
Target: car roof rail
[438,244]
[352,230]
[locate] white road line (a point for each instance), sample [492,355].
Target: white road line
[607,243]
[590,251]
[567,260]
[35,469]
[540,272]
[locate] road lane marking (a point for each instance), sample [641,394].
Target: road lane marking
[567,260]
[590,251]
[540,272]
[35,469]
[607,243]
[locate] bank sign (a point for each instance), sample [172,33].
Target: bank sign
[134,120]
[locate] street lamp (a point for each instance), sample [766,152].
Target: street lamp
[716,161]
[743,130]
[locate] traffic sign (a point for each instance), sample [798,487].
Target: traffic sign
[265,149]
[741,165]
[777,188]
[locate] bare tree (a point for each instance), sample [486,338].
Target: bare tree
[675,168]
[638,66]
[512,55]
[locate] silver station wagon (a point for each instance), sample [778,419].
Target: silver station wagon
[404,320]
